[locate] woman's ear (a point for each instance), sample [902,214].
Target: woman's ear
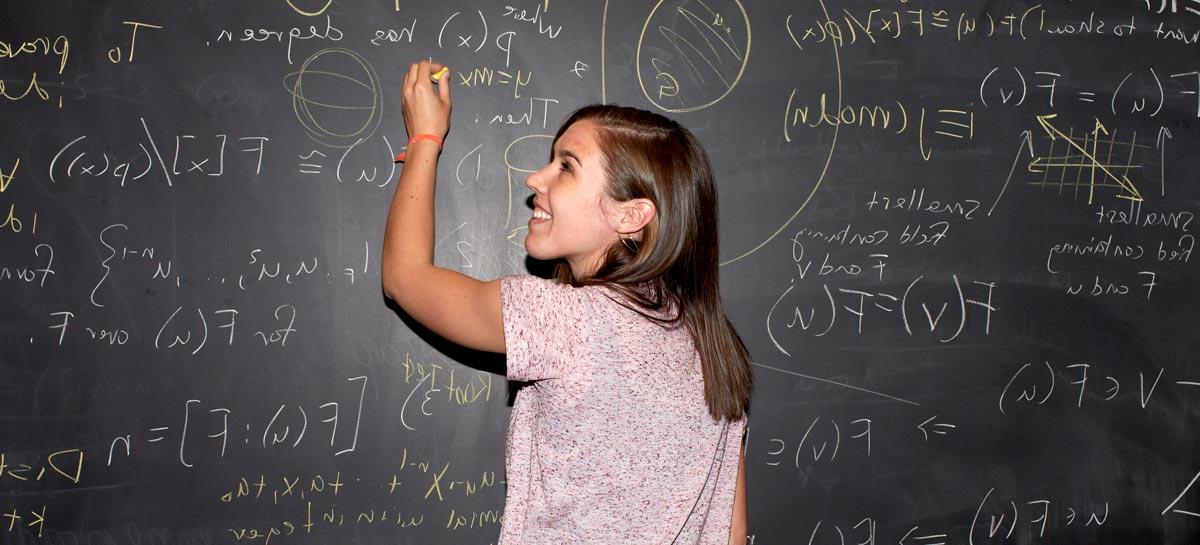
[635,215]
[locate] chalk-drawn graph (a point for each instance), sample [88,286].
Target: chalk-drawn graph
[1083,163]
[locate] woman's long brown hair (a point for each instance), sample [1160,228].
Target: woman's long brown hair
[674,265]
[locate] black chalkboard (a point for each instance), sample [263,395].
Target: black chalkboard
[957,238]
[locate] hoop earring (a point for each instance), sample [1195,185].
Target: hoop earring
[629,244]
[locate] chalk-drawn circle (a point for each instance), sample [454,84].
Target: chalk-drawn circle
[695,55]
[336,96]
[816,141]
[310,12]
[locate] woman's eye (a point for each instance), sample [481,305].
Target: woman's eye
[566,167]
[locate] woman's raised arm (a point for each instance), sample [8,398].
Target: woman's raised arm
[460,308]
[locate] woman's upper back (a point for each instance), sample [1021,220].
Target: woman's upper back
[612,441]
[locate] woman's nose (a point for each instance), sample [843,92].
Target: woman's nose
[535,179]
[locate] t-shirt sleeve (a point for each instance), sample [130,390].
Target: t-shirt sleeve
[547,327]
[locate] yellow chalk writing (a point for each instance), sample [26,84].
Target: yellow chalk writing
[32,87]
[6,179]
[115,54]
[44,45]
[487,77]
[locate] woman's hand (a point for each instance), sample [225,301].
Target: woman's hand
[426,111]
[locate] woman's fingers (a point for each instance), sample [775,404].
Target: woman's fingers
[434,70]
[420,74]
[444,86]
[410,80]
[423,76]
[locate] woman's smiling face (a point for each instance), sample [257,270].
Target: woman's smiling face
[572,211]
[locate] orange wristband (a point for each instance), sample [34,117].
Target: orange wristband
[431,137]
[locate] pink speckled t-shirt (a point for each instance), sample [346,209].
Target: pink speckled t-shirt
[611,441]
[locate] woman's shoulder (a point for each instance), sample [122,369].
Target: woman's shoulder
[531,282]
[529,289]
[526,289]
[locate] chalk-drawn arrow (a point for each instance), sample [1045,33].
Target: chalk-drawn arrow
[1122,180]
[1025,145]
[1163,135]
[939,428]
[1037,165]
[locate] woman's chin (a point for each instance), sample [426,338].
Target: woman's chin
[537,252]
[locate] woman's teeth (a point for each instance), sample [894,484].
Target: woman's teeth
[540,214]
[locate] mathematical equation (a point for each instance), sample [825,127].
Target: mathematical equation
[823,437]
[321,499]
[1032,385]
[919,307]
[218,429]
[953,124]
[178,330]
[847,28]
[260,268]
[1141,92]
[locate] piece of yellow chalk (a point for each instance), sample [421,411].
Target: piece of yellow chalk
[442,72]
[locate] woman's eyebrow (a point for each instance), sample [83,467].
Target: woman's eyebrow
[571,154]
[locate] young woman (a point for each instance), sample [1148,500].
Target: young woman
[630,426]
